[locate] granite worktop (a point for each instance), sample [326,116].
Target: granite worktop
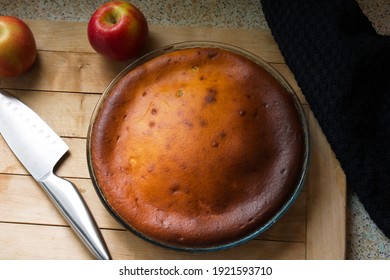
[364,239]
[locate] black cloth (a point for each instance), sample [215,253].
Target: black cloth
[343,68]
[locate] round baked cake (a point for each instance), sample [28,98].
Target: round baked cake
[197,148]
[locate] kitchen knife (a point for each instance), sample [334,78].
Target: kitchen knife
[39,149]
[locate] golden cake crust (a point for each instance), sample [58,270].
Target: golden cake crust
[198,147]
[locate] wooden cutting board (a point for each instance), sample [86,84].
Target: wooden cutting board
[64,86]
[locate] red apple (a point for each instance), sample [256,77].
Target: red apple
[118,30]
[17,47]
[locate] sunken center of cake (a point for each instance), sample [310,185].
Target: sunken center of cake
[197,147]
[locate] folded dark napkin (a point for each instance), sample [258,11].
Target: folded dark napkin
[343,68]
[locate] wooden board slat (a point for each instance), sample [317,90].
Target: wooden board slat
[72,37]
[67,113]
[23,201]
[326,209]
[73,165]
[61,243]
[86,73]
[67,72]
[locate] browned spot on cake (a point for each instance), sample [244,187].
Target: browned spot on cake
[212,54]
[188,123]
[223,134]
[174,188]
[203,123]
[211,96]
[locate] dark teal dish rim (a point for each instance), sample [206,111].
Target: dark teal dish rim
[268,68]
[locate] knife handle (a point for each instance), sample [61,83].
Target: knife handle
[72,206]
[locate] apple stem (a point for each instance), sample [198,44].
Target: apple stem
[113,19]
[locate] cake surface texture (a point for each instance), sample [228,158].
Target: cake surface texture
[197,148]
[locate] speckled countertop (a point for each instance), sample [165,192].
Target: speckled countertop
[364,240]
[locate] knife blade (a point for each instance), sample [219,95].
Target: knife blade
[39,149]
